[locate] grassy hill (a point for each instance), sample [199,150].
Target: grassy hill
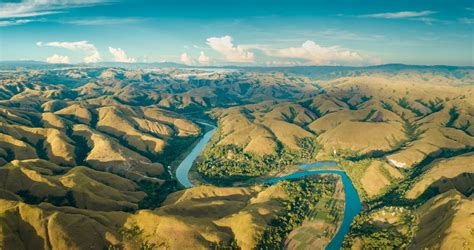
[402,138]
[84,156]
[199,218]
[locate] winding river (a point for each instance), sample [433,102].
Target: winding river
[352,200]
[352,204]
[182,172]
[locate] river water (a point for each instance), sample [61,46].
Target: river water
[182,172]
[352,200]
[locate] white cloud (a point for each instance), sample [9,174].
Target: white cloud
[337,35]
[186,59]
[409,15]
[81,45]
[14,22]
[58,59]
[103,21]
[315,54]
[401,15]
[231,53]
[89,48]
[120,55]
[426,20]
[203,59]
[466,20]
[93,58]
[189,60]
[30,8]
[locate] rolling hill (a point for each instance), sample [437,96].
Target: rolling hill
[87,155]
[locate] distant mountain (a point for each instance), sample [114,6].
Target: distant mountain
[19,65]
[39,65]
[329,71]
[332,72]
[141,65]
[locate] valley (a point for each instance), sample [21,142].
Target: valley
[129,158]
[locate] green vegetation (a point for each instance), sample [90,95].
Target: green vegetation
[309,148]
[369,115]
[231,162]
[403,102]
[81,149]
[156,193]
[453,116]
[373,238]
[232,245]
[303,194]
[395,196]
[176,145]
[376,234]
[329,204]
[133,236]
[355,170]
[411,131]
[66,200]
[291,117]
[321,223]
[387,106]
[124,125]
[346,101]
[434,106]
[307,105]
[40,149]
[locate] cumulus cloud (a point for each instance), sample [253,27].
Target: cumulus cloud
[93,54]
[231,53]
[203,59]
[120,55]
[315,54]
[93,58]
[58,59]
[412,15]
[186,59]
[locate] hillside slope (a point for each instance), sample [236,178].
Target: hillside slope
[87,155]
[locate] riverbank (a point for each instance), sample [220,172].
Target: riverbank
[352,205]
[322,221]
[352,201]
[182,171]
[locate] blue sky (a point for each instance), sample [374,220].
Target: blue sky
[245,32]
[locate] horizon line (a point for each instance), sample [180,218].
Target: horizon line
[233,65]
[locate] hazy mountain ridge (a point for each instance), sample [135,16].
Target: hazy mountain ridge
[317,72]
